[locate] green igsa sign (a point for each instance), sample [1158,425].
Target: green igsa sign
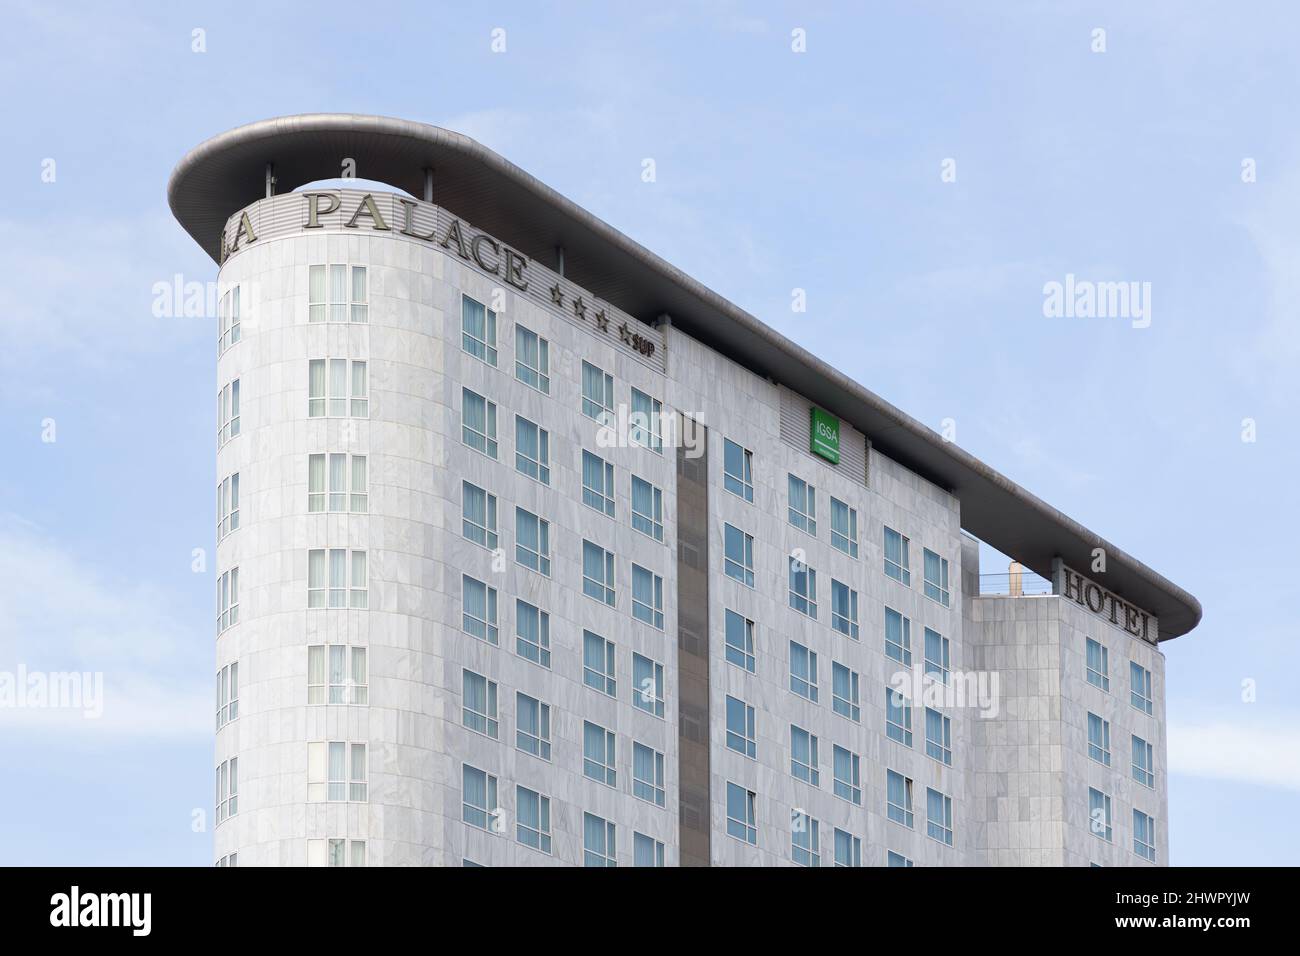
[824,435]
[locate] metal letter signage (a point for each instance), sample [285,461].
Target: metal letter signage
[1087,593]
[824,435]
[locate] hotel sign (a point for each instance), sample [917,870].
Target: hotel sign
[824,435]
[1105,604]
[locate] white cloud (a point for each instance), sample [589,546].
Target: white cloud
[1246,753]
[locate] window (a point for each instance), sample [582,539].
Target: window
[227,789]
[336,852]
[738,555]
[598,663]
[647,685]
[936,576]
[804,844]
[848,848]
[338,589]
[844,692]
[647,508]
[741,818]
[532,633]
[740,640]
[534,812]
[598,754]
[844,527]
[1098,665]
[340,300]
[803,671]
[227,599]
[478,327]
[227,412]
[347,483]
[597,483]
[228,694]
[898,637]
[532,450]
[336,674]
[898,717]
[337,388]
[803,756]
[480,609]
[597,841]
[803,588]
[938,736]
[938,816]
[803,505]
[1144,835]
[228,506]
[1144,766]
[896,859]
[1099,739]
[597,393]
[937,650]
[741,735]
[478,422]
[896,562]
[647,596]
[479,712]
[533,541]
[1099,813]
[643,422]
[230,860]
[844,609]
[737,469]
[532,726]
[479,798]
[336,772]
[228,334]
[848,774]
[598,573]
[646,851]
[647,774]
[898,798]
[478,514]
[532,359]
[1139,682]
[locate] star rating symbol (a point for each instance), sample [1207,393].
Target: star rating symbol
[579,308]
[557,294]
[602,320]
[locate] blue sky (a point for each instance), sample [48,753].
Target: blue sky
[775,170]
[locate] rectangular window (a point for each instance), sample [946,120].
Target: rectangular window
[898,798]
[844,527]
[1099,813]
[478,515]
[803,671]
[938,816]
[803,505]
[742,821]
[896,561]
[533,541]
[1099,739]
[646,851]
[337,388]
[228,694]
[598,838]
[741,734]
[898,717]
[647,685]
[479,806]
[534,826]
[598,573]
[898,637]
[227,412]
[338,300]
[937,652]
[598,664]
[844,692]
[643,422]
[336,852]
[336,772]
[805,847]
[1139,682]
[532,450]
[336,674]
[597,483]
[597,393]
[803,588]
[228,334]
[227,599]
[532,633]
[479,712]
[848,848]
[478,422]
[738,555]
[740,640]
[647,508]
[598,754]
[844,609]
[532,359]
[938,736]
[227,505]
[848,774]
[936,576]
[227,789]
[803,756]
[647,774]
[1144,766]
[479,617]
[1144,835]
[532,726]
[478,325]
[896,859]
[737,469]
[647,596]
[1098,665]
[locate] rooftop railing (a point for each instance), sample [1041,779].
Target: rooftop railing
[1015,584]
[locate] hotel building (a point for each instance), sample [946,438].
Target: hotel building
[532,550]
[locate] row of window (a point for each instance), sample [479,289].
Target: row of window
[1139,678]
[1099,822]
[1142,766]
[336,773]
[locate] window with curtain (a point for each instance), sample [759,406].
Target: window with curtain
[532,633]
[1144,835]
[479,797]
[532,541]
[742,820]
[898,798]
[1144,767]
[479,703]
[741,734]
[647,774]
[737,470]
[1098,665]
[532,726]
[803,671]
[803,505]
[644,422]
[844,609]
[803,587]
[803,756]
[647,596]
[647,685]
[478,330]
[937,653]
[847,770]
[534,812]
[598,754]
[738,555]
[896,557]
[478,515]
[805,845]
[898,637]
[597,483]
[598,573]
[844,528]
[532,450]
[479,603]
[1099,814]
[647,508]
[1099,739]
[848,848]
[739,631]
[597,393]
[479,423]
[532,359]
[936,577]
[598,663]
[1140,687]
[646,850]
[938,736]
[898,717]
[938,824]
[598,841]
[844,692]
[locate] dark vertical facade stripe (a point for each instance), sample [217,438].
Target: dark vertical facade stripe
[693,648]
